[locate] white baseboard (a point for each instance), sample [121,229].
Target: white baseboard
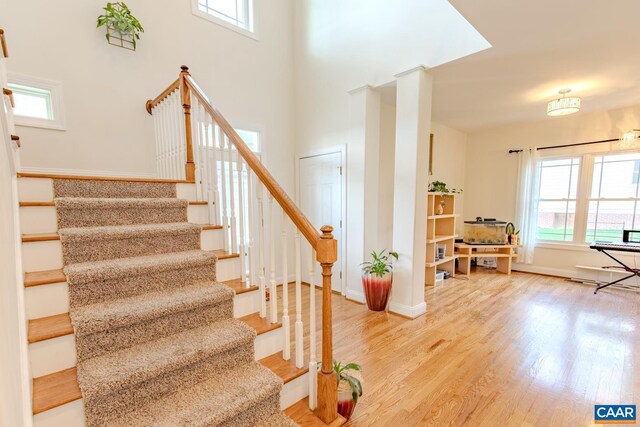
[356,296]
[83,172]
[408,311]
[531,268]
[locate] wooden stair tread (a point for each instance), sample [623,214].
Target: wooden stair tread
[239,286]
[59,388]
[53,390]
[99,178]
[43,237]
[285,369]
[46,277]
[301,414]
[49,327]
[261,325]
[212,227]
[222,254]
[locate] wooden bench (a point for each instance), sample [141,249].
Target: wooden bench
[503,253]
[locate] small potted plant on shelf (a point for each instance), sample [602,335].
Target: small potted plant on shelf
[123,29]
[377,278]
[349,387]
[441,187]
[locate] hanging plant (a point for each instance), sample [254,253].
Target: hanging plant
[123,29]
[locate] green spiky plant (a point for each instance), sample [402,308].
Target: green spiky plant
[381,263]
[118,17]
[344,374]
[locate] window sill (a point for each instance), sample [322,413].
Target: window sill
[565,246]
[39,123]
[204,15]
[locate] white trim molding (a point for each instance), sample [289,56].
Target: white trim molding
[407,311]
[250,33]
[57,102]
[83,172]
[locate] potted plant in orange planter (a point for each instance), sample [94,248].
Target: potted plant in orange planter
[377,278]
[349,387]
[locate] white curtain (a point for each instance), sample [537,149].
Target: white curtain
[527,202]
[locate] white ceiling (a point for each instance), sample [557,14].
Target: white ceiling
[539,47]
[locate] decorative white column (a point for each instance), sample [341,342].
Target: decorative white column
[413,125]
[362,181]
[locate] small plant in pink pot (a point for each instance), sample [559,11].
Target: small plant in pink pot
[349,387]
[377,277]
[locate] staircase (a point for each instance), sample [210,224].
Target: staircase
[156,301]
[146,297]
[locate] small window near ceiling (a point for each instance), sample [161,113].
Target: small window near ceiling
[557,202]
[38,103]
[251,138]
[234,14]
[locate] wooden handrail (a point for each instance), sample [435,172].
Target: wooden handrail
[3,43]
[297,217]
[9,93]
[152,103]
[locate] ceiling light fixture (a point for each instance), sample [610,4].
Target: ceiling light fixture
[629,139]
[563,105]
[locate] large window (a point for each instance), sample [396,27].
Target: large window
[234,14]
[589,197]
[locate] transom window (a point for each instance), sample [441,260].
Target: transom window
[237,13]
[589,197]
[38,102]
[32,102]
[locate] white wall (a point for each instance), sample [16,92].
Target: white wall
[491,173]
[105,87]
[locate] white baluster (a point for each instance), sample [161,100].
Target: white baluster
[181,143]
[210,159]
[156,132]
[313,365]
[175,137]
[164,129]
[223,195]
[197,150]
[171,122]
[286,350]
[263,285]
[232,203]
[299,326]
[252,270]
[273,288]
[241,245]
[215,133]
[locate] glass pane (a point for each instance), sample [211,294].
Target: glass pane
[559,179]
[251,138]
[225,7]
[606,220]
[555,220]
[32,102]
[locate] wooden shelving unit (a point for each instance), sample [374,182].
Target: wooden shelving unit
[441,230]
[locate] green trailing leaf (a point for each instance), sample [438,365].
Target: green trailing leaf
[118,17]
[344,374]
[441,187]
[380,264]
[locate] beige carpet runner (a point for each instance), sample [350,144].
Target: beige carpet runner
[156,340]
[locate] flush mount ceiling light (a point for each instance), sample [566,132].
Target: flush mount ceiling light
[629,139]
[563,105]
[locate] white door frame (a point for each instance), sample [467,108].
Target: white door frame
[342,150]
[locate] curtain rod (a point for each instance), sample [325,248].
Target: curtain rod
[569,145]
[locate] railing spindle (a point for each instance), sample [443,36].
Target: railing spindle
[263,290]
[242,241]
[273,288]
[286,351]
[232,203]
[198,155]
[212,131]
[299,346]
[313,365]
[252,263]
[223,195]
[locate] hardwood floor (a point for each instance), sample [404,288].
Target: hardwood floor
[494,350]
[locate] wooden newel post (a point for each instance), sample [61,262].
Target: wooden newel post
[185,99]
[326,255]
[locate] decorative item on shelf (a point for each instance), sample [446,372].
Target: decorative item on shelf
[349,387]
[377,278]
[563,105]
[441,187]
[123,29]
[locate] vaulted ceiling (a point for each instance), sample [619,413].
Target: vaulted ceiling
[539,47]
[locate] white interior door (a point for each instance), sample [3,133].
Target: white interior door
[320,190]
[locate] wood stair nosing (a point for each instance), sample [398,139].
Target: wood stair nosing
[56,389]
[101,178]
[53,204]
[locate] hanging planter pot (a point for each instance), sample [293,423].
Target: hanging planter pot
[123,29]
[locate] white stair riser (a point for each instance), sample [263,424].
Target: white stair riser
[53,355]
[57,354]
[43,219]
[41,190]
[47,255]
[72,414]
[46,300]
[269,343]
